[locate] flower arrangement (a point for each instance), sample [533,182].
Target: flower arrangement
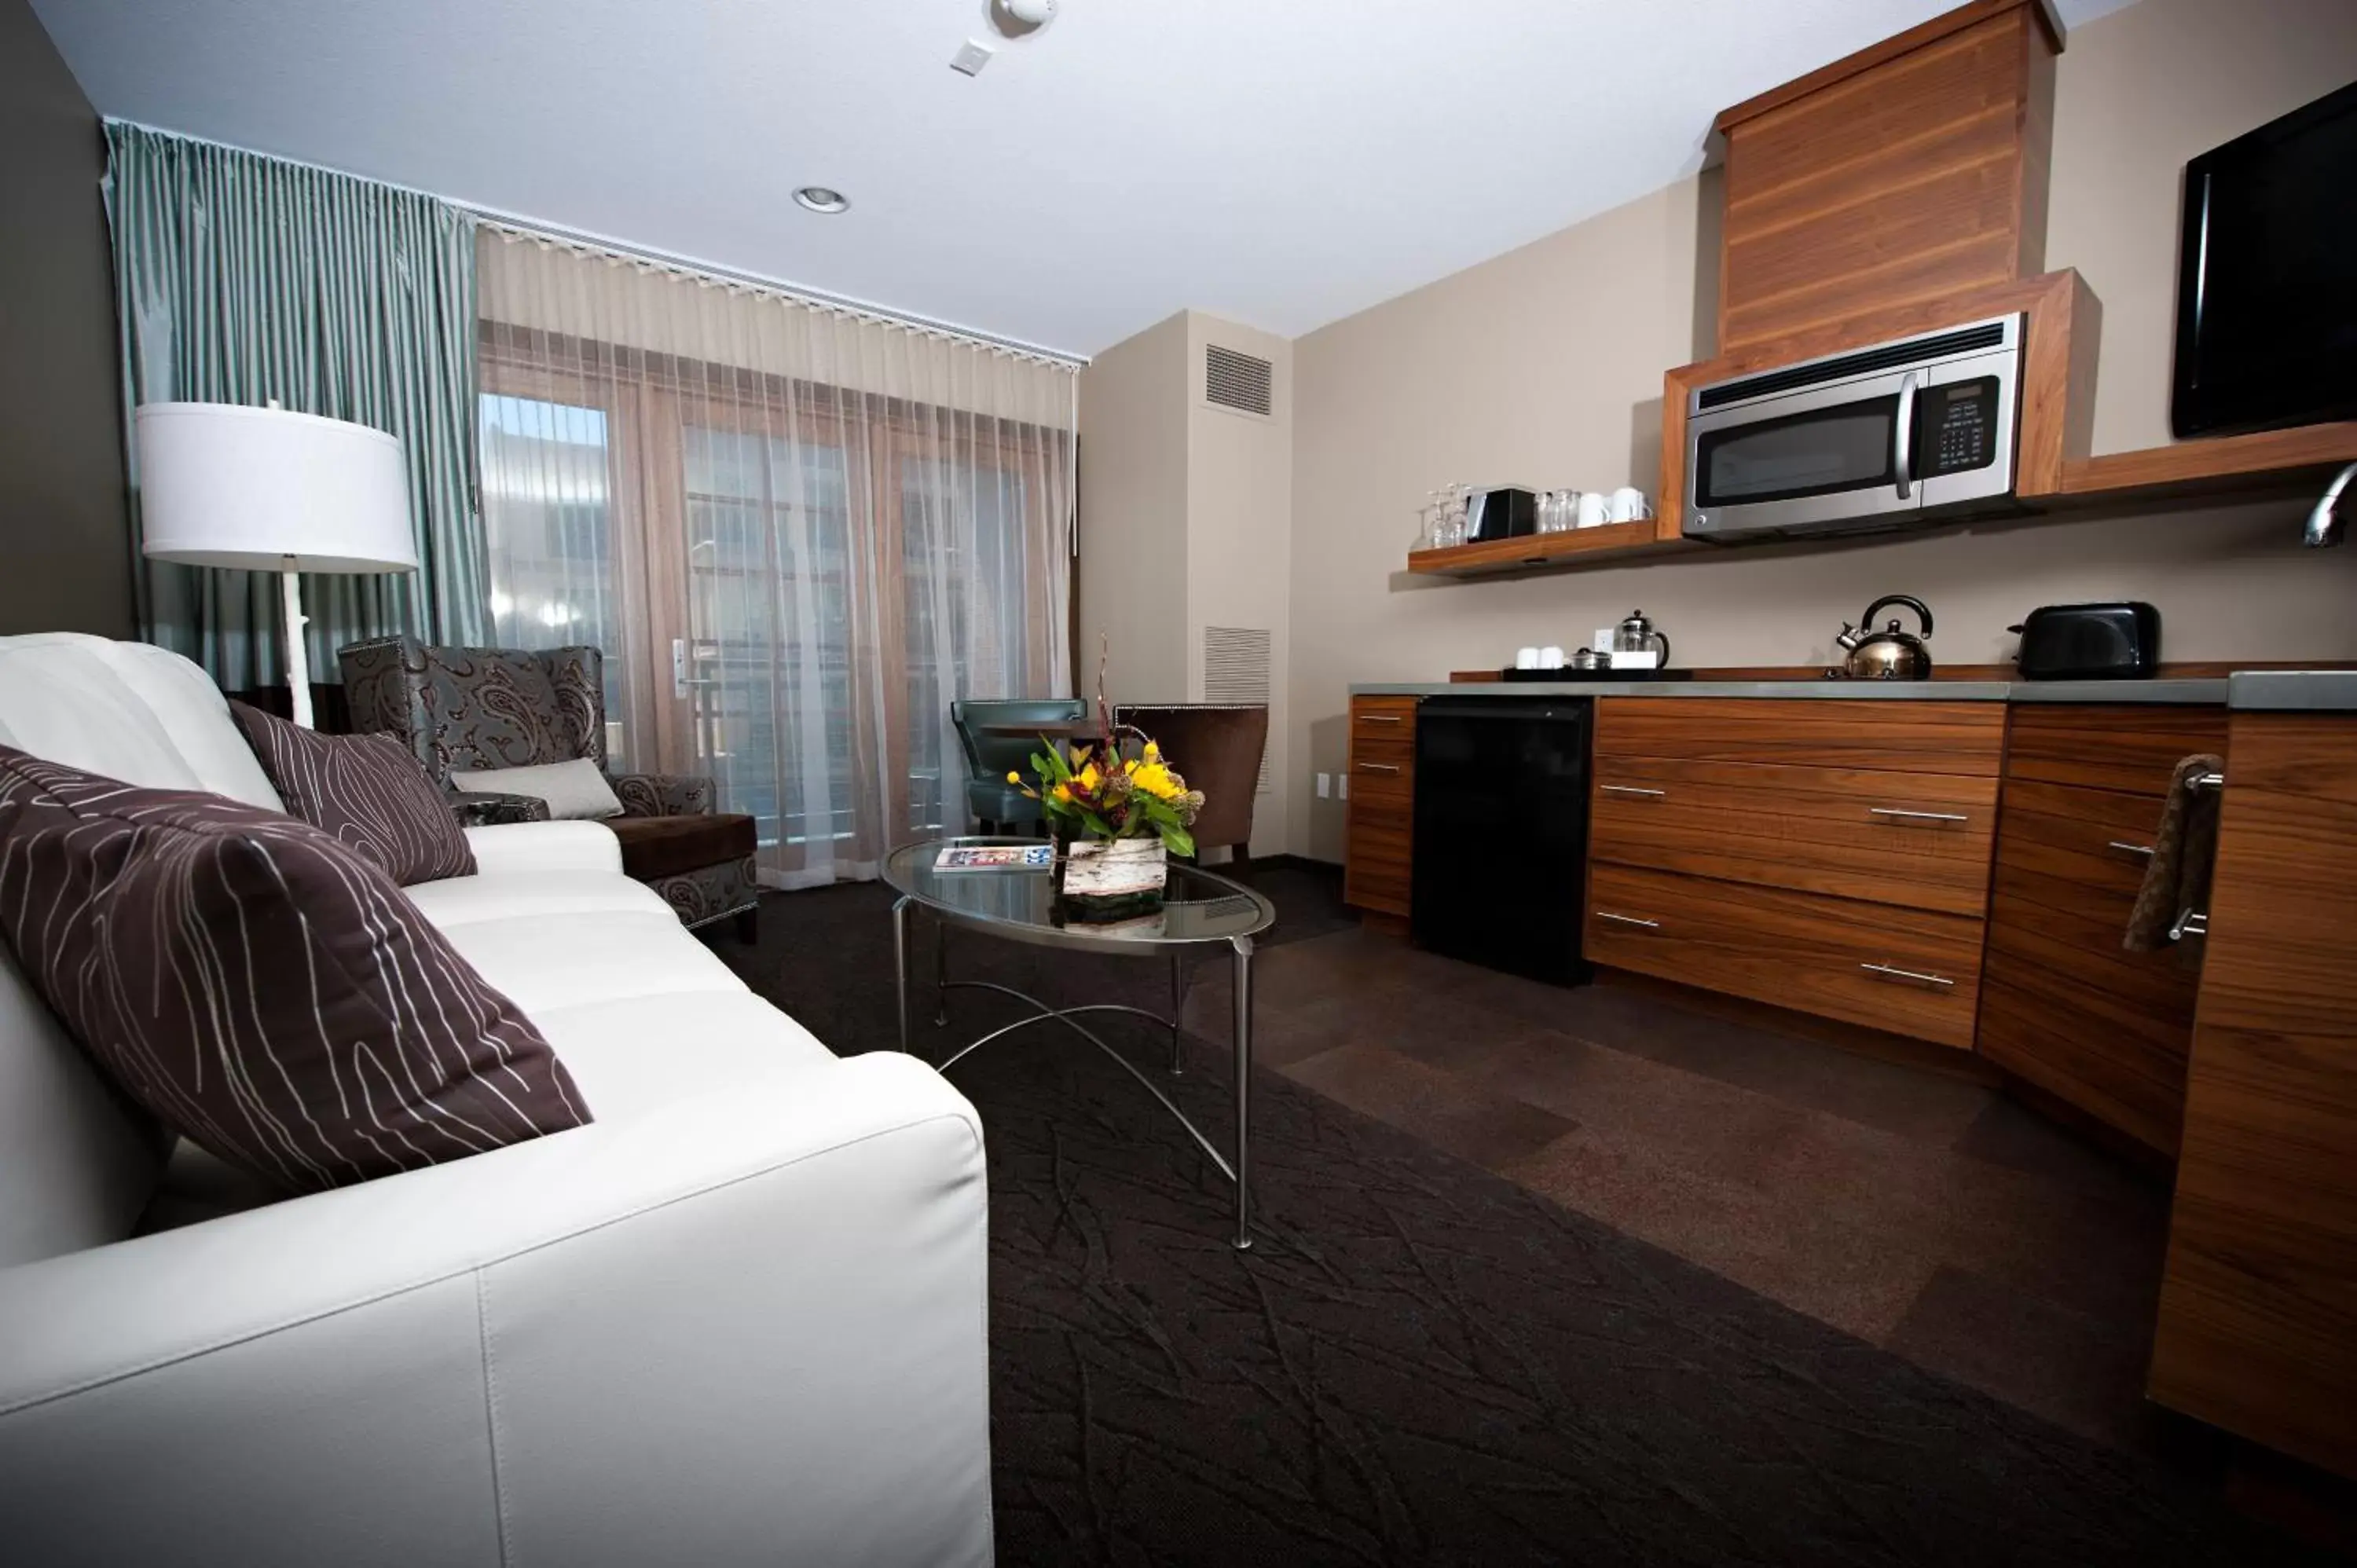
[1106,796]
[1121,817]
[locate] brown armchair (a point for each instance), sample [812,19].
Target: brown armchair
[1217,747]
[466,709]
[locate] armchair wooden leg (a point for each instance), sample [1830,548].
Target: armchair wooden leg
[748,925]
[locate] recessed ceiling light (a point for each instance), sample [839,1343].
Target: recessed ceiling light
[819,199]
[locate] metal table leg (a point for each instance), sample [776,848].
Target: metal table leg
[1244,948]
[941,974]
[901,965]
[1178,1008]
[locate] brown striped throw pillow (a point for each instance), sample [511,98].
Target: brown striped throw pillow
[263,990]
[367,791]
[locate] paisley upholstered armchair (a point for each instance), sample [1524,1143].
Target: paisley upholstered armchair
[465,710]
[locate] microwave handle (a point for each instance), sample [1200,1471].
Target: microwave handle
[1903,438]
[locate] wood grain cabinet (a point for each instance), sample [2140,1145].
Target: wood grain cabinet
[1381,809]
[2063,1004]
[1827,855]
[2258,1306]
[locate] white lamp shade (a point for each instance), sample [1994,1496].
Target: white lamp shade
[269,491]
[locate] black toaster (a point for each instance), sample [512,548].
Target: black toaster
[2089,643]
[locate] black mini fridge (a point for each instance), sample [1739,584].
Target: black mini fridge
[1500,861]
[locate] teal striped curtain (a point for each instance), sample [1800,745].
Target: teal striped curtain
[239,279]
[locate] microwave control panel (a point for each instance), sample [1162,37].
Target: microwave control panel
[1956,426]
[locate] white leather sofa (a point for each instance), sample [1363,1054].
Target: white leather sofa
[739,1319]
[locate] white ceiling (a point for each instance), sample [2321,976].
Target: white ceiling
[1279,162]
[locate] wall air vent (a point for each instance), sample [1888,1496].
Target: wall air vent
[1241,381]
[1235,670]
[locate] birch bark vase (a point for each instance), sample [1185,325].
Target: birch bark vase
[1103,877]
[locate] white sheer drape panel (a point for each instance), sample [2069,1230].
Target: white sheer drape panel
[798,535]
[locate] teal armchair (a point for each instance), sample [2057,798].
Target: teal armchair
[996,805]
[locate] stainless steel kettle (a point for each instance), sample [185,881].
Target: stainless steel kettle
[1890,654]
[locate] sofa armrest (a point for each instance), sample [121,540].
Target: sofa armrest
[748,1326]
[664,794]
[490,808]
[545,846]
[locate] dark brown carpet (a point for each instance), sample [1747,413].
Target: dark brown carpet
[1419,1362]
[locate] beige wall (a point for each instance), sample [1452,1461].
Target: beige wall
[1186,523]
[1132,585]
[1239,536]
[1543,367]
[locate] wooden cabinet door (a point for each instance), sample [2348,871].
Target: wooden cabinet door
[2258,1307]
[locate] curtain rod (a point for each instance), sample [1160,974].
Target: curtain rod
[521,226]
[589,244]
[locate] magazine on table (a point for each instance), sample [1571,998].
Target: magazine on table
[995,857]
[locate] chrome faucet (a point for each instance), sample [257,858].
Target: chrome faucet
[2324,520]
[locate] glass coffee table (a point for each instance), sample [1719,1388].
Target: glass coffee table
[1200,909]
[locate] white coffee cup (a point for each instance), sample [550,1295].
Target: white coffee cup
[1595,509]
[1551,657]
[1629,505]
[1527,658]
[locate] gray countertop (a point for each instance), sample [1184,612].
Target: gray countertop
[2195,692]
[2296,691]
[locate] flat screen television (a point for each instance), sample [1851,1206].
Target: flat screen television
[2267,276]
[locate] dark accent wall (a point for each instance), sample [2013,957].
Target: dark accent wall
[65,553]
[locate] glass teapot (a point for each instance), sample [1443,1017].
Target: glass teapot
[1638,635]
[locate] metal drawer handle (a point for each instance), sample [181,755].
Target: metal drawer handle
[2206,781]
[1380,719]
[1377,767]
[1628,919]
[1887,972]
[1631,789]
[2126,848]
[1918,816]
[2192,923]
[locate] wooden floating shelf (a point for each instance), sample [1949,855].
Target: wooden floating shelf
[2211,464]
[1605,545]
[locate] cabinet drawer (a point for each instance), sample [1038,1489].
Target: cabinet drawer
[1917,839]
[1897,735]
[1382,754]
[1911,972]
[2096,839]
[2131,746]
[1376,857]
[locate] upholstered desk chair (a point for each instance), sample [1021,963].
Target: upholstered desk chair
[1216,748]
[469,709]
[998,806]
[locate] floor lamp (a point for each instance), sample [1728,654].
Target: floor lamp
[263,489]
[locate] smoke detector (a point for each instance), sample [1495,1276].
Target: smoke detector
[1020,19]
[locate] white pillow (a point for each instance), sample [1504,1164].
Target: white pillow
[574,791]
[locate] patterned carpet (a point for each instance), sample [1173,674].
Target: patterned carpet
[1419,1362]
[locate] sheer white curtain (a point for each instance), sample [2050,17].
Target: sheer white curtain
[796,534]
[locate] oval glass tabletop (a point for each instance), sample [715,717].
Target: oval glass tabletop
[1197,905]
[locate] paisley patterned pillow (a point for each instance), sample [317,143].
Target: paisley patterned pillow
[367,791]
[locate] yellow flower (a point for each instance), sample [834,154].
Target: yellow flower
[1158,782]
[1153,752]
[1062,791]
[1130,767]
[1013,778]
[1090,779]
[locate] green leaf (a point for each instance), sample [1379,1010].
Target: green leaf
[1177,841]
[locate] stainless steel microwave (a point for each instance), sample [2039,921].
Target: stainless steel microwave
[1912,430]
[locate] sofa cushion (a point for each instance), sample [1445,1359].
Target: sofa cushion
[575,791]
[366,792]
[665,846]
[265,991]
